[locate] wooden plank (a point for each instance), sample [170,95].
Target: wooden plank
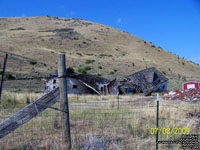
[62,72]
[27,113]
[2,77]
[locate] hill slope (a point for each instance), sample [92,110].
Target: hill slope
[107,51]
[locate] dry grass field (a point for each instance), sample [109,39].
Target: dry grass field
[98,119]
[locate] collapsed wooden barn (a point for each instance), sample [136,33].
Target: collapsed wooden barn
[78,83]
[145,81]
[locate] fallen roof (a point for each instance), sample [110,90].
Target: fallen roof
[146,79]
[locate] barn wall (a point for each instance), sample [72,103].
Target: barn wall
[73,86]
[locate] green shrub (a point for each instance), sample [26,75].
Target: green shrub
[8,76]
[99,74]
[71,69]
[1,72]
[100,67]
[82,71]
[115,70]
[87,68]
[89,61]
[33,62]
[111,73]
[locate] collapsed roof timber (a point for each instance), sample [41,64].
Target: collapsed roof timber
[145,81]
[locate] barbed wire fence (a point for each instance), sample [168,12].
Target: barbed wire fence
[118,122]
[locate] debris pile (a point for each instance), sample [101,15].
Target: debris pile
[187,95]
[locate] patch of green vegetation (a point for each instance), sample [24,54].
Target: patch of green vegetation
[84,70]
[111,73]
[115,70]
[89,61]
[100,67]
[8,76]
[99,74]
[87,68]
[71,69]
[33,62]
[1,72]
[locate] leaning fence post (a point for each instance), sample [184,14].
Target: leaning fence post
[62,73]
[2,76]
[157,120]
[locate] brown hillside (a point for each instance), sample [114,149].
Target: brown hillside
[109,52]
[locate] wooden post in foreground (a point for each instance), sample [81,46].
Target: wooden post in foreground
[157,121]
[62,72]
[2,76]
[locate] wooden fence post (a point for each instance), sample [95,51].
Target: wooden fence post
[157,121]
[62,72]
[2,76]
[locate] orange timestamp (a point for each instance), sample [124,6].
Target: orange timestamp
[170,131]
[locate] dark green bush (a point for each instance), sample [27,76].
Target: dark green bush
[8,76]
[111,73]
[82,71]
[71,69]
[87,68]
[33,62]
[100,67]
[89,61]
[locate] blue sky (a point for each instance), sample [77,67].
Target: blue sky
[173,25]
